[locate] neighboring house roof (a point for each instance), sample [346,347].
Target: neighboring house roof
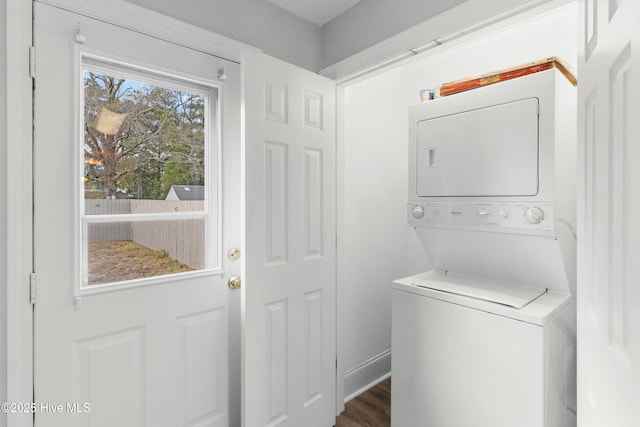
[186,192]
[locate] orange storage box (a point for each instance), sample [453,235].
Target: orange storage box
[507,74]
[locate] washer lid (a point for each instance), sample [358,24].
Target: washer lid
[509,294]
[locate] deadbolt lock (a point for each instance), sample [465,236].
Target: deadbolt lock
[234,282]
[233,254]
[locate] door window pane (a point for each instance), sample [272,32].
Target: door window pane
[142,141]
[149,193]
[119,251]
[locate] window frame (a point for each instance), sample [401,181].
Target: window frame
[212,211]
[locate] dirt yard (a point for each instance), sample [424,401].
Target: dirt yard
[126,260]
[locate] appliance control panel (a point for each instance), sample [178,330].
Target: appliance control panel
[515,217]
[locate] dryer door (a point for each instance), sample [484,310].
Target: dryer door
[490,151]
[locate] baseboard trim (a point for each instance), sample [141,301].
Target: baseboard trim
[367,375]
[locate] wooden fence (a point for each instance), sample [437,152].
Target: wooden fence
[111,231]
[182,240]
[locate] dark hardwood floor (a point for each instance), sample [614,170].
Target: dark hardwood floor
[371,409]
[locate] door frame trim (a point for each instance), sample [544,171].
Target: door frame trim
[19,205]
[19,201]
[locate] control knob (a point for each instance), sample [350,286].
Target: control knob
[533,215]
[418,211]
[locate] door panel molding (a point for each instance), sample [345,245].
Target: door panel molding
[276,193]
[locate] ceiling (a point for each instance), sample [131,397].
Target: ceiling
[317,11]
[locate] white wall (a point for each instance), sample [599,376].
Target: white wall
[375,235]
[262,24]
[378,244]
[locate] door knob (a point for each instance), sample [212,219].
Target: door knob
[234,282]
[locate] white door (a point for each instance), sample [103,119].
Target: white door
[609,243]
[289,293]
[137,154]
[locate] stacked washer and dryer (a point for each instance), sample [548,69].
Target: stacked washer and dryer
[487,337]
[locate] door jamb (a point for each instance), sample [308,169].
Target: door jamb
[19,205]
[340,248]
